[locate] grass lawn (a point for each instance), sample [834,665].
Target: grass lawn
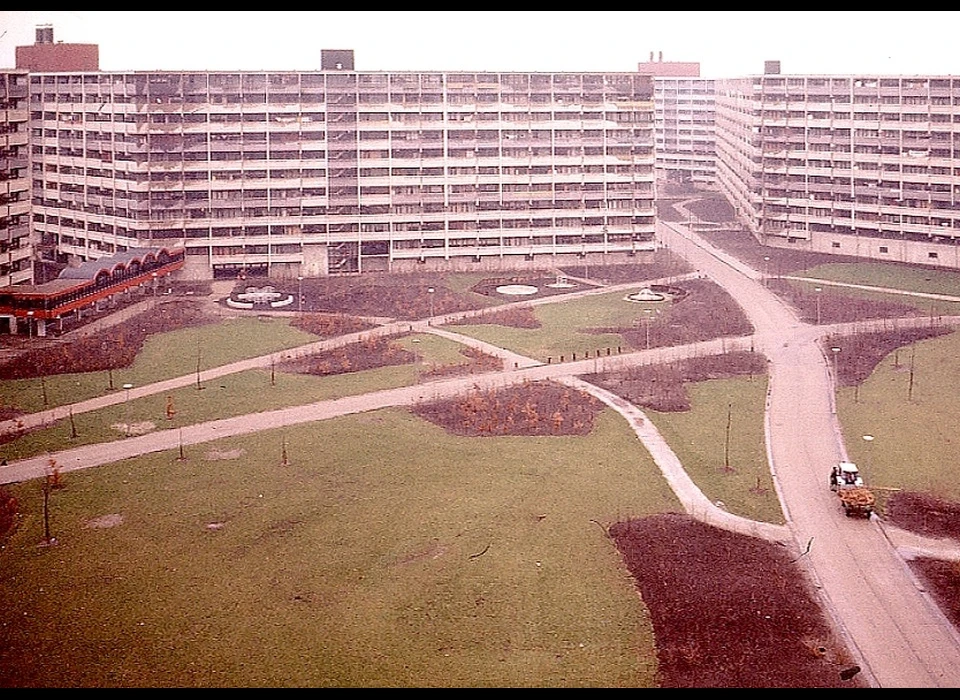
[386,553]
[934,307]
[163,356]
[564,325]
[236,394]
[699,437]
[891,276]
[915,429]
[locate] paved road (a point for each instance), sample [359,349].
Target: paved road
[899,636]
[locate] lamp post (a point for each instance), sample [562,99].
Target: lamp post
[126,409]
[868,439]
[300,294]
[154,276]
[29,324]
[430,291]
[818,290]
[766,270]
[836,379]
[646,318]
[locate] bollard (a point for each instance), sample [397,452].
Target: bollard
[561,358]
[549,360]
[608,352]
[574,357]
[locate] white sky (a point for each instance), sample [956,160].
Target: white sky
[727,44]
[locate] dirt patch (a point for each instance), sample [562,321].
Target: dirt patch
[113,348]
[366,354]
[477,362]
[832,305]
[924,514]
[434,551]
[661,265]
[942,579]
[860,354]
[330,325]
[662,387]
[699,310]
[105,521]
[540,282]
[533,408]
[729,611]
[134,428]
[395,296]
[223,454]
[517,317]
[779,261]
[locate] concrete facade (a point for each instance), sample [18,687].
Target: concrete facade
[854,165]
[16,250]
[289,173]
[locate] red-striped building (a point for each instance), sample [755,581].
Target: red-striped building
[83,286]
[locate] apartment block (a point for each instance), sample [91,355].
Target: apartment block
[854,165]
[343,171]
[16,254]
[683,122]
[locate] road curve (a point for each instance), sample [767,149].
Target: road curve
[900,637]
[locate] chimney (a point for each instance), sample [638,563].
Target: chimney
[44,34]
[651,57]
[660,59]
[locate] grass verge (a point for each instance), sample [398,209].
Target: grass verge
[386,552]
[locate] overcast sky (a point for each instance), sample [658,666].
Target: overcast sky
[726,44]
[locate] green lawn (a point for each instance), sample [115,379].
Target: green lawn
[891,276]
[250,391]
[564,327]
[163,356]
[915,429]
[725,469]
[386,553]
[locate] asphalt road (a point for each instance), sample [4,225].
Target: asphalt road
[901,638]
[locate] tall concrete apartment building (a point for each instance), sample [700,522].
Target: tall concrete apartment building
[848,164]
[343,171]
[16,253]
[683,122]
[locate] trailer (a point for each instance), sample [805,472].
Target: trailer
[846,482]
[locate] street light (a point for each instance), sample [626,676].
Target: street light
[766,270]
[868,439]
[126,409]
[646,318]
[154,276]
[300,294]
[818,290]
[836,351]
[430,291]
[29,324]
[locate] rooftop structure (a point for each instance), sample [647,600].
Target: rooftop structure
[45,55]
